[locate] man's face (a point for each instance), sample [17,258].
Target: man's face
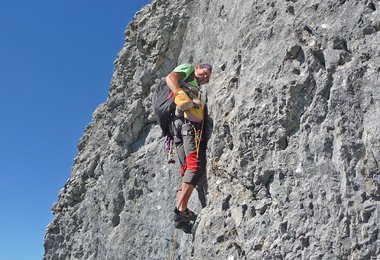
[203,75]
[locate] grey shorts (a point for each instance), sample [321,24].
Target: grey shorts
[188,156]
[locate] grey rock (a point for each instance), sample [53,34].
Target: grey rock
[293,153]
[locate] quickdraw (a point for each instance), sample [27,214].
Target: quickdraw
[169,149]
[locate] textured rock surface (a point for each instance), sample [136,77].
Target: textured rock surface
[294,149]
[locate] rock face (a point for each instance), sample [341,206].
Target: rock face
[293,153]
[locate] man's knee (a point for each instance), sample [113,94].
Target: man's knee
[191,178]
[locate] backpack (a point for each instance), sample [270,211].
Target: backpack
[164,106]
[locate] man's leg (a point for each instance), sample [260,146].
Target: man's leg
[191,174]
[189,163]
[177,126]
[184,195]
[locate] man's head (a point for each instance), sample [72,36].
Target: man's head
[203,73]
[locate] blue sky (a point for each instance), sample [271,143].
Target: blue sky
[56,63]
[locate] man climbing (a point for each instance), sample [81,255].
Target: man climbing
[184,82]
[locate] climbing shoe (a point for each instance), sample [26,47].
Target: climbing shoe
[184,226]
[184,216]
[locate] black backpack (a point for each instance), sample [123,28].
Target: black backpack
[164,106]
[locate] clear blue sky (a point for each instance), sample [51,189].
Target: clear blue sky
[56,63]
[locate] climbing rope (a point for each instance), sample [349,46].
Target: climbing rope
[198,133]
[198,138]
[174,242]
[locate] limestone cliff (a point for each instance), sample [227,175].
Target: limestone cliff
[293,153]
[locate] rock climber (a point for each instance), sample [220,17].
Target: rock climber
[185,81]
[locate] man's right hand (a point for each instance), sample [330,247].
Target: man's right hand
[182,100]
[197,102]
